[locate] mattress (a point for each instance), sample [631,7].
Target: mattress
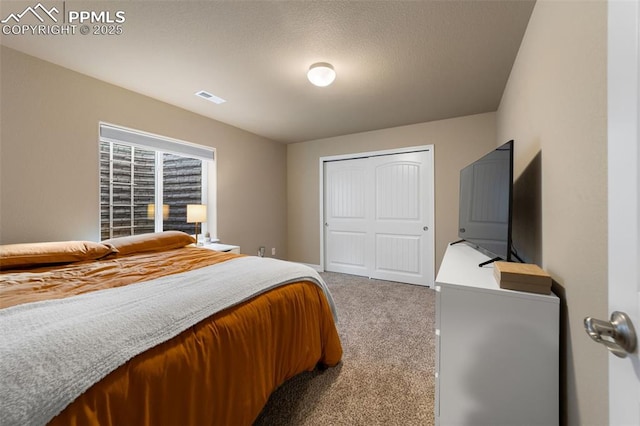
[221,370]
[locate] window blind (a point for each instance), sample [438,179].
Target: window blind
[111,133]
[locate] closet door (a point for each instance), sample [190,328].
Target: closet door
[348,217]
[401,217]
[377,217]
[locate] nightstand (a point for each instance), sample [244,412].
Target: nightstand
[222,247]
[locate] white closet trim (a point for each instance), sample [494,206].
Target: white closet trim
[431,190]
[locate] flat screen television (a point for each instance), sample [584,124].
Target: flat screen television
[486,203]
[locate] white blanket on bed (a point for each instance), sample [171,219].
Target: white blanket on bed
[53,351]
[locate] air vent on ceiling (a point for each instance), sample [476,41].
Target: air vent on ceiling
[210,97]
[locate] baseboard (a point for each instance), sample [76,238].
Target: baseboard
[318,268]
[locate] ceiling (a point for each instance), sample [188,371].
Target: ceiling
[397,62]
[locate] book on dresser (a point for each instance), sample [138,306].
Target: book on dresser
[522,277]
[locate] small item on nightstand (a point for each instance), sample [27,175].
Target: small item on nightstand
[522,277]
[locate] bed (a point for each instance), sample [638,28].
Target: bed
[151,330]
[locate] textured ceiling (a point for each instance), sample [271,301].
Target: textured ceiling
[397,62]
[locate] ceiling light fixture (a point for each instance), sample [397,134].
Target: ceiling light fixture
[321,74]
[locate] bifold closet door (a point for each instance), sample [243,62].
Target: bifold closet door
[377,211]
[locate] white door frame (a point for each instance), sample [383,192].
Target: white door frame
[623,121]
[431,224]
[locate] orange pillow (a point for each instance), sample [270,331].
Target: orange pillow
[157,241]
[35,254]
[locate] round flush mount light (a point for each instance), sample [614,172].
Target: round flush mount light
[321,74]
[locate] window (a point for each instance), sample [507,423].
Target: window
[146,182]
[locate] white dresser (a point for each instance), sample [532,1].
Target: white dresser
[497,351]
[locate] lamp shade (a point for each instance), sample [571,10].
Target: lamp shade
[196,213]
[151,211]
[321,74]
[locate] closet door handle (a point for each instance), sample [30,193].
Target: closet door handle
[618,334]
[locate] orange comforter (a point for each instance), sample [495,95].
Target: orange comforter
[220,371]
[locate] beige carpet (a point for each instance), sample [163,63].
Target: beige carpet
[386,373]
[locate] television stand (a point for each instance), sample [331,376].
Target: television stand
[495,259]
[486,262]
[513,252]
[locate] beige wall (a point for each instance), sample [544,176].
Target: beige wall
[554,106]
[457,142]
[49,157]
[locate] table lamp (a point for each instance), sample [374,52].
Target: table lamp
[196,213]
[151,211]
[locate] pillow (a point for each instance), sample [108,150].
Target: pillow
[34,254]
[157,241]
